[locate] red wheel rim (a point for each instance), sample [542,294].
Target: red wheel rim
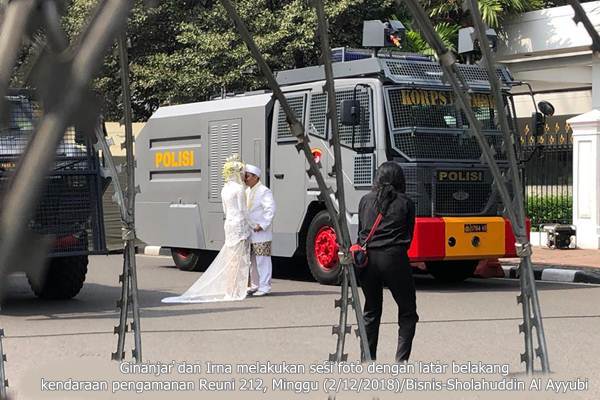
[326,248]
[183,253]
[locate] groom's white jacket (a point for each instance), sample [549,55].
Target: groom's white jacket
[261,210]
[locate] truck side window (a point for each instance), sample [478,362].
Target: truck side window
[317,118]
[364,131]
[298,104]
[21,114]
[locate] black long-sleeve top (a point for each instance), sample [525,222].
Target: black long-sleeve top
[396,227]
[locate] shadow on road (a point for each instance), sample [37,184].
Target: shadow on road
[145,313]
[87,304]
[305,293]
[291,268]
[97,301]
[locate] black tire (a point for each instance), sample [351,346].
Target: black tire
[185,259]
[325,274]
[63,279]
[452,271]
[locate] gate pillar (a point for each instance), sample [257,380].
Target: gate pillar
[586,176]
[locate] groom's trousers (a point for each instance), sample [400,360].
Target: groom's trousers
[261,268]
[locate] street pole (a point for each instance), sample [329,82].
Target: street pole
[3,380]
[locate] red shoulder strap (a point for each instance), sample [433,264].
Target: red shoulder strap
[375,225]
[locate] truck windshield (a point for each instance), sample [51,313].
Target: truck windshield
[428,125]
[21,116]
[23,113]
[437,109]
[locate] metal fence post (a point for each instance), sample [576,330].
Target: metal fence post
[3,380]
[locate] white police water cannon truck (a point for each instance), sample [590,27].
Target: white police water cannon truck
[391,106]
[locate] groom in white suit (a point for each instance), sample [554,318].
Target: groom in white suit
[261,210]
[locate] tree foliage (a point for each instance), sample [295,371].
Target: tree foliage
[182,51]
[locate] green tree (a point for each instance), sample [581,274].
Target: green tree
[182,51]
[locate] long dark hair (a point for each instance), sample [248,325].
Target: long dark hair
[389,180]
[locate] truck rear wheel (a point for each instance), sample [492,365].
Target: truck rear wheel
[322,249]
[186,259]
[452,271]
[63,280]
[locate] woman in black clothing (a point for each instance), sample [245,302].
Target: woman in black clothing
[388,260]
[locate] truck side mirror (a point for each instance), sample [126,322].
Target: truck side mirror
[350,114]
[538,122]
[538,119]
[546,108]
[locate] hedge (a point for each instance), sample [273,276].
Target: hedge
[549,209]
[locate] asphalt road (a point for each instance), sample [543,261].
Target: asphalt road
[474,321]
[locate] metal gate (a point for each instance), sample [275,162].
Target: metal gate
[548,173]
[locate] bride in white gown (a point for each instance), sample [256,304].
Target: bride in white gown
[226,279]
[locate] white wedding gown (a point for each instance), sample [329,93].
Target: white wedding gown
[226,279]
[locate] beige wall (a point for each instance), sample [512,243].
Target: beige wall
[566,103]
[116,132]
[546,32]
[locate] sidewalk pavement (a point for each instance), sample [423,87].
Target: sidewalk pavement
[572,265]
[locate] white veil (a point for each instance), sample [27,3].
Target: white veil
[226,278]
[233,170]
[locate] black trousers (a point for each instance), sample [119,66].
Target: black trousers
[390,267]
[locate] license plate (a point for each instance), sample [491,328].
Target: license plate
[470,228]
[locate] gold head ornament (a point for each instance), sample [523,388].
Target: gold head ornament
[233,165]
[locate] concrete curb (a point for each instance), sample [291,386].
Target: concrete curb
[552,274]
[154,251]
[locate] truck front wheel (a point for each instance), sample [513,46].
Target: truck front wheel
[322,249]
[185,259]
[63,279]
[452,271]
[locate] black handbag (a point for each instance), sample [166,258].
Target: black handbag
[359,252]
